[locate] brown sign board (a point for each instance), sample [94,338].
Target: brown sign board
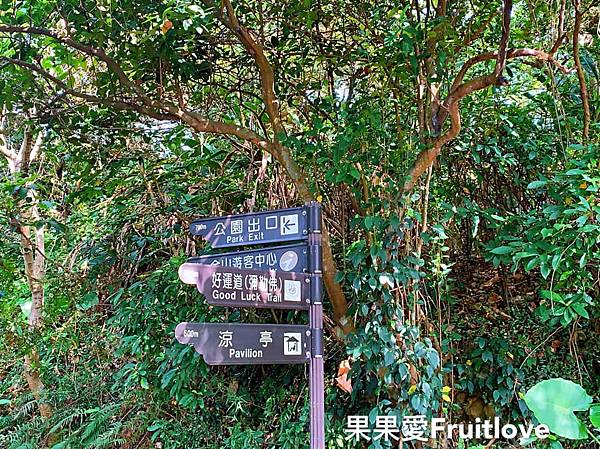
[247,344]
[238,287]
[284,257]
[282,225]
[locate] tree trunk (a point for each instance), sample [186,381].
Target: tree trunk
[33,250]
[33,255]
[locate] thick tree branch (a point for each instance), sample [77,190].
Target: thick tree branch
[283,155]
[267,76]
[511,54]
[35,150]
[26,147]
[460,89]
[450,106]
[6,151]
[33,252]
[501,60]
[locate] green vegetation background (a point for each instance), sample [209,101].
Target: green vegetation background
[465,291]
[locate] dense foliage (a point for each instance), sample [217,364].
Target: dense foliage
[454,147]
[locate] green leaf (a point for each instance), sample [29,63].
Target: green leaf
[555,444]
[487,356]
[553,402]
[503,250]
[536,184]
[389,358]
[552,296]
[595,415]
[157,425]
[555,261]
[545,270]
[88,301]
[355,173]
[580,309]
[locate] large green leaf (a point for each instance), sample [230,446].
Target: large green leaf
[553,402]
[595,415]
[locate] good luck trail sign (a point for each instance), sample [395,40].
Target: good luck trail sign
[281,277]
[241,287]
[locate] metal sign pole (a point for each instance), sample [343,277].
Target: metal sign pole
[316,372]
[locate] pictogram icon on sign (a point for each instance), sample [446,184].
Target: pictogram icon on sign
[292,290]
[289,224]
[292,343]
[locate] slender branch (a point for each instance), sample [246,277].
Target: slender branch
[201,124]
[90,51]
[561,17]
[174,113]
[555,48]
[580,73]
[471,38]
[121,105]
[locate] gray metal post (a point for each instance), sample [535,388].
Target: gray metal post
[316,372]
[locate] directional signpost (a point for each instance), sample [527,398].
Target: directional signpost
[280,277]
